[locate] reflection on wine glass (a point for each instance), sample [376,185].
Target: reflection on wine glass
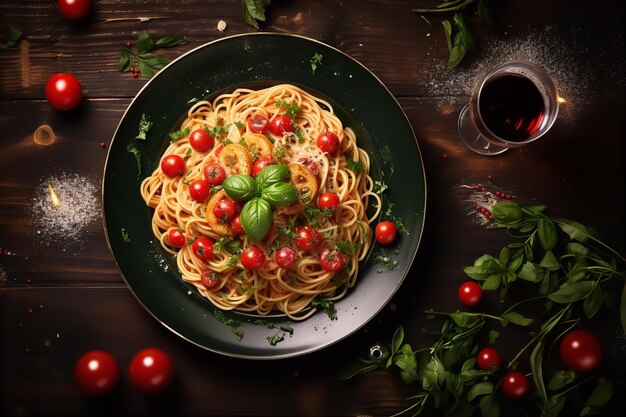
[513,105]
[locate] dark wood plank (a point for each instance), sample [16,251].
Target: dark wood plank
[386,37]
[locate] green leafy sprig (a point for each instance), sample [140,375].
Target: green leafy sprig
[147,64]
[573,271]
[459,39]
[254,11]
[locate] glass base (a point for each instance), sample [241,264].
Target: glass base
[474,140]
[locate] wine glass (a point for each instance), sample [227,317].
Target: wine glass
[514,104]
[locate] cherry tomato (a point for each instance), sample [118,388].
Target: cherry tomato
[252,258]
[96,373]
[581,351]
[172,166]
[236,227]
[281,124]
[470,293]
[331,260]
[260,163]
[515,385]
[63,91]
[74,9]
[328,142]
[202,247]
[310,164]
[307,238]
[199,190]
[214,174]
[328,200]
[285,257]
[210,279]
[176,238]
[225,210]
[258,124]
[151,370]
[386,233]
[200,140]
[488,359]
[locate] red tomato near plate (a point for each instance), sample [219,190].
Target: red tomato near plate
[470,293]
[281,124]
[203,248]
[488,359]
[252,258]
[151,370]
[74,9]
[176,238]
[328,142]
[63,91]
[328,200]
[200,140]
[96,373]
[199,190]
[332,260]
[173,166]
[385,233]
[581,351]
[258,124]
[515,385]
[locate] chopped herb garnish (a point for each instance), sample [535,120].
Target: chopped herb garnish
[188,153]
[399,223]
[291,109]
[125,235]
[327,306]
[380,187]
[316,61]
[355,166]
[179,134]
[299,135]
[216,131]
[287,230]
[148,65]
[239,125]
[132,148]
[315,215]
[14,36]
[193,101]
[233,324]
[191,240]
[144,127]
[232,262]
[279,152]
[286,328]
[347,247]
[381,258]
[264,323]
[276,338]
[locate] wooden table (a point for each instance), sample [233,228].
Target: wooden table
[58,301]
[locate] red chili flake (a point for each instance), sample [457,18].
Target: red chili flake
[29,310]
[508,196]
[445,156]
[103,145]
[128,44]
[489,177]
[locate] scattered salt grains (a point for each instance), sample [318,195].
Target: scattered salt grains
[78,206]
[565,55]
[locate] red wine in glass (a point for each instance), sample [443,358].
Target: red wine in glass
[514,105]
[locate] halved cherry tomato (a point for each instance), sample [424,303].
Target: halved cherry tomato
[199,190]
[328,200]
[328,142]
[488,359]
[214,174]
[258,124]
[581,351]
[331,260]
[210,279]
[63,91]
[236,227]
[151,370]
[385,233]
[225,210]
[281,124]
[307,238]
[202,247]
[172,166]
[470,293]
[96,373]
[176,238]
[74,9]
[515,385]
[200,140]
[261,162]
[252,258]
[285,257]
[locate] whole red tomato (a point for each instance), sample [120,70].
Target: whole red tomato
[581,351]
[328,142]
[258,124]
[488,359]
[199,190]
[385,233]
[96,373]
[470,293]
[261,162]
[328,200]
[74,9]
[173,165]
[252,258]
[151,370]
[307,238]
[515,385]
[176,238]
[203,248]
[331,260]
[286,257]
[200,140]
[63,91]
[281,124]
[214,174]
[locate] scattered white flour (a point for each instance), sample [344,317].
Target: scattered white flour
[78,206]
[582,75]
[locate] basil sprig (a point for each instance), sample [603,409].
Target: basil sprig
[269,189]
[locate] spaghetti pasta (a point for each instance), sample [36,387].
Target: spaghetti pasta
[238,123]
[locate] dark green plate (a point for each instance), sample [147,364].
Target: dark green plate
[361,101]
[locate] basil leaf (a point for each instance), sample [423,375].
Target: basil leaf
[272,174]
[240,187]
[144,43]
[124,65]
[256,218]
[168,42]
[254,10]
[280,194]
[517,319]
[482,388]
[489,406]
[547,234]
[531,272]
[536,362]
[593,303]
[447,30]
[572,292]
[507,214]
[561,379]
[14,36]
